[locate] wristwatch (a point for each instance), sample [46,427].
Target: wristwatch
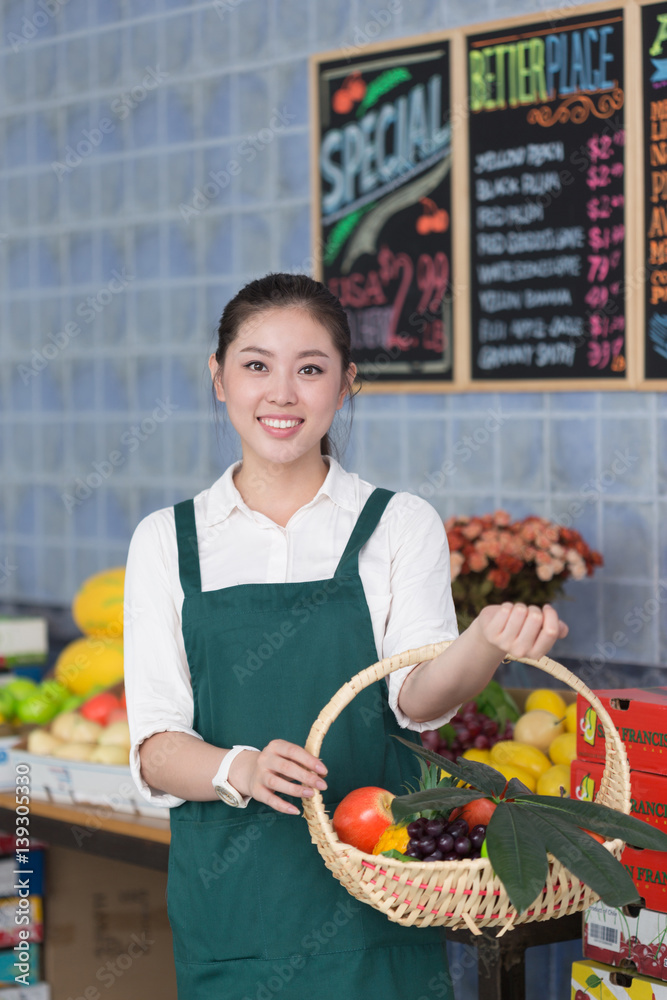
[222,787]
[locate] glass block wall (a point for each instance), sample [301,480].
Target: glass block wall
[154,156]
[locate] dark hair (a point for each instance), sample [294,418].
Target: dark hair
[282,291]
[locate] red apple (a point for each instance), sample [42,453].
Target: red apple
[98,708]
[477,812]
[362,816]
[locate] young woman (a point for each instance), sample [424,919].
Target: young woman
[247,608]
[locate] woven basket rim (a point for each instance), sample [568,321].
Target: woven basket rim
[353,862]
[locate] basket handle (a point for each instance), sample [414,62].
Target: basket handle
[615,756]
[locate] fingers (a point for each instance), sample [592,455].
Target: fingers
[522,631]
[287,769]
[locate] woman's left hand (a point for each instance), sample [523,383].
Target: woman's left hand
[519,630]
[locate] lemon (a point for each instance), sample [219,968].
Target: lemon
[563,749]
[551,781]
[514,771]
[546,700]
[482,756]
[538,727]
[522,754]
[571,718]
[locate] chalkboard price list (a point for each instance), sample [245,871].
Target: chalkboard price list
[547,201]
[605,241]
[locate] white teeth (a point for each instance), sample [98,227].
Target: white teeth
[279,423]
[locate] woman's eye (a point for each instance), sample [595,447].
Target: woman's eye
[309,369]
[251,365]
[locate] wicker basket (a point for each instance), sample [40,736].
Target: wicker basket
[457,894]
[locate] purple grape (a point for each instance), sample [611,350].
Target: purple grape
[481,742]
[426,845]
[459,828]
[474,728]
[431,739]
[452,856]
[434,827]
[446,843]
[416,828]
[413,852]
[434,856]
[474,855]
[462,846]
[477,835]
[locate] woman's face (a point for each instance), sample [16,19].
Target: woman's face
[282,366]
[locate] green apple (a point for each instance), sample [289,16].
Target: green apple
[21,687]
[7,705]
[53,690]
[36,710]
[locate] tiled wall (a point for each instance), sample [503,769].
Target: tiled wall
[122,235]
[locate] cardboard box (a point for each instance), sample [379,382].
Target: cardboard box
[18,917]
[648,791]
[640,716]
[630,937]
[68,781]
[648,870]
[23,640]
[108,932]
[592,979]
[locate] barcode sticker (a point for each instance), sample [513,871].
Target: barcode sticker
[604,934]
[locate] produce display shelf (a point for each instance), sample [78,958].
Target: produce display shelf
[139,840]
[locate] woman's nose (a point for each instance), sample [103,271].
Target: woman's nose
[281,390]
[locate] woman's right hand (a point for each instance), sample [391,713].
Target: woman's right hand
[280,767]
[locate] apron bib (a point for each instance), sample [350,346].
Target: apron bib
[254,912]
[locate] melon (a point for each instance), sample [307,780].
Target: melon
[90,662]
[97,607]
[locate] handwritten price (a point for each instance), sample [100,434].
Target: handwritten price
[602,207]
[603,239]
[602,352]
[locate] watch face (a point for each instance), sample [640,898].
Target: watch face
[228,796]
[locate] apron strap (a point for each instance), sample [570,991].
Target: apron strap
[188,551]
[366,524]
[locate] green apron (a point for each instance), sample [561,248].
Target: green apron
[254,912]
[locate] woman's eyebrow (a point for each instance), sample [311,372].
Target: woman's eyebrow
[269,354]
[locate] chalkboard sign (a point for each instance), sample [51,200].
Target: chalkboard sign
[547,219]
[654,48]
[383,203]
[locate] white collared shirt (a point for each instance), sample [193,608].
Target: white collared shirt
[404,570]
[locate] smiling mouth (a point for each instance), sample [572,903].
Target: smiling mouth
[281,424]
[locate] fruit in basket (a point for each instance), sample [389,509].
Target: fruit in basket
[546,699]
[553,780]
[563,749]
[522,754]
[90,662]
[362,816]
[444,839]
[475,813]
[525,828]
[510,771]
[97,607]
[538,728]
[394,838]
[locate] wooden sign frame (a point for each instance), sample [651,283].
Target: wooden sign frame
[462,381]
[645,382]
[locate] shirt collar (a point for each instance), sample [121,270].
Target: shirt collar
[223,496]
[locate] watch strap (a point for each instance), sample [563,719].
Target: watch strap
[220,780]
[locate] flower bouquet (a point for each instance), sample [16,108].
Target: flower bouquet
[494,559]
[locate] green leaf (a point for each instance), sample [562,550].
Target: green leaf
[594,816]
[518,857]
[593,982]
[441,800]
[515,787]
[393,853]
[485,778]
[447,733]
[587,859]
